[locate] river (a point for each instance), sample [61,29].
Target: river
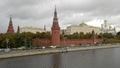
[99,58]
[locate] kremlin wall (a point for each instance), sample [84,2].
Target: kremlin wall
[55,40]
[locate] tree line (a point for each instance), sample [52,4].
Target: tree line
[25,38]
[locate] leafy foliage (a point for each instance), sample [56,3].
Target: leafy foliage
[21,39]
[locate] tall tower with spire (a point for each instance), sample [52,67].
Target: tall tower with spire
[18,29]
[10,27]
[44,28]
[55,30]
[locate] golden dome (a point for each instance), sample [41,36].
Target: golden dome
[110,26]
[105,21]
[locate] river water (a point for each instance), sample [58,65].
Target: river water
[100,58]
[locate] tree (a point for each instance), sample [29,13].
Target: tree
[118,33]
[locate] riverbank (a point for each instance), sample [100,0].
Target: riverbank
[52,50]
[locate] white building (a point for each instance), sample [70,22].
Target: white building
[82,28]
[32,30]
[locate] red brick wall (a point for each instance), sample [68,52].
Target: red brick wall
[68,42]
[43,42]
[47,42]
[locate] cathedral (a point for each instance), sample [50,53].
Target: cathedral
[105,28]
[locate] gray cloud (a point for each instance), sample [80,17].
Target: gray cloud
[38,13]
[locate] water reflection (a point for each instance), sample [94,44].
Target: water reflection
[56,61]
[101,58]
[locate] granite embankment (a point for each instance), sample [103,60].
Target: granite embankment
[52,50]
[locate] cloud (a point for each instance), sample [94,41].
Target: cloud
[37,13]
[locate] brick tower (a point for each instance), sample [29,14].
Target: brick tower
[10,27]
[55,30]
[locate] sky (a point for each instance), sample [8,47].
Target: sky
[37,13]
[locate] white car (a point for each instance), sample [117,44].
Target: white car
[1,50]
[43,47]
[53,46]
[7,49]
[21,48]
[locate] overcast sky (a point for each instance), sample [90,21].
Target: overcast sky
[37,13]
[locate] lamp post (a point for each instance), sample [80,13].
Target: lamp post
[7,49]
[30,44]
[7,41]
[25,42]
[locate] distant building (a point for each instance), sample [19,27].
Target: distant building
[32,30]
[10,29]
[81,28]
[105,28]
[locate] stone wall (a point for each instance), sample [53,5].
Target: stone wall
[81,41]
[43,42]
[47,42]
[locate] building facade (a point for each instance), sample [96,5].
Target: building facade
[31,29]
[81,28]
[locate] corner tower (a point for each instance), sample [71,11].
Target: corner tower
[10,27]
[55,30]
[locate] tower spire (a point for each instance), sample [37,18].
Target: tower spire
[55,15]
[10,18]
[44,28]
[18,29]
[55,11]
[10,27]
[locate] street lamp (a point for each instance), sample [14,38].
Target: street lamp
[25,42]
[7,41]
[7,49]
[30,44]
